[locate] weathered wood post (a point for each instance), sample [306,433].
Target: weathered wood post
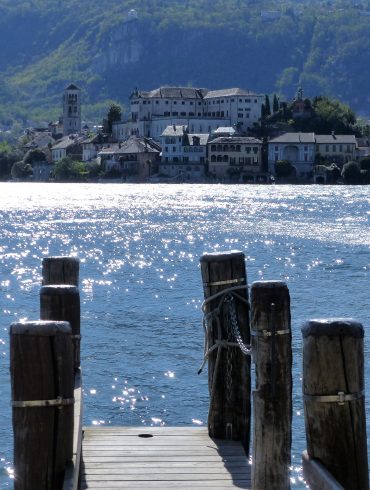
[334,403]
[60,270]
[272,398]
[62,303]
[226,310]
[41,366]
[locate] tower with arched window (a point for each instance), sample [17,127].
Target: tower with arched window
[71,110]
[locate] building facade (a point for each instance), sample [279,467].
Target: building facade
[201,110]
[71,110]
[184,154]
[235,158]
[296,148]
[338,148]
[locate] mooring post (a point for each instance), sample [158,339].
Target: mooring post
[272,397]
[60,270]
[62,303]
[226,311]
[334,399]
[41,366]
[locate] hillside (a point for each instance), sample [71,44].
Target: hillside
[267,46]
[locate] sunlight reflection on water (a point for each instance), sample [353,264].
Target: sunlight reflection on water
[141,292]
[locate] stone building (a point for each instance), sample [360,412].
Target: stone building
[71,110]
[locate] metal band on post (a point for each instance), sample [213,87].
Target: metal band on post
[224,283]
[341,398]
[267,333]
[56,402]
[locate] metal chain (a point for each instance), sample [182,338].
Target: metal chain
[229,365]
[233,321]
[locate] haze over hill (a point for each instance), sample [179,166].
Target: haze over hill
[108,49]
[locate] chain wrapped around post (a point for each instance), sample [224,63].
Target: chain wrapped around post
[234,339]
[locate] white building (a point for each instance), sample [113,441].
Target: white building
[202,111]
[296,148]
[184,154]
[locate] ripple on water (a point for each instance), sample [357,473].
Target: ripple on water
[140,282]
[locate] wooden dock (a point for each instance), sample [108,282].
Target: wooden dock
[161,457]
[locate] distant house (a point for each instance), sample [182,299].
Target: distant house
[338,148]
[69,146]
[93,144]
[237,158]
[296,148]
[184,154]
[363,147]
[136,159]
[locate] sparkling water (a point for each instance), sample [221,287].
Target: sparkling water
[141,291]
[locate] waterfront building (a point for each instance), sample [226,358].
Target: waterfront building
[136,159]
[184,154]
[236,158]
[338,148]
[296,148]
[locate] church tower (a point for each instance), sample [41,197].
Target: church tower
[71,110]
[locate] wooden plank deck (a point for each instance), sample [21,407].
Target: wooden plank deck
[161,458]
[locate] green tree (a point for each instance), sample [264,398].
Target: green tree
[351,173]
[283,169]
[275,104]
[8,156]
[267,105]
[114,115]
[21,170]
[67,169]
[34,156]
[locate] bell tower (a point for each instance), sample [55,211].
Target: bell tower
[71,110]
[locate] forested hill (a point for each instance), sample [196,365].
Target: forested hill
[108,49]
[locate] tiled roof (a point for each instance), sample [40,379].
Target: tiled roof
[65,143]
[174,130]
[294,138]
[132,145]
[72,86]
[241,140]
[333,139]
[203,139]
[225,129]
[227,92]
[173,93]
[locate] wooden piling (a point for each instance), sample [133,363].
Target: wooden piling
[229,379]
[272,398]
[62,303]
[41,366]
[60,270]
[334,403]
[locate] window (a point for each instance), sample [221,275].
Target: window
[248,101]
[183,102]
[334,148]
[238,147]
[157,102]
[213,158]
[305,148]
[166,102]
[219,158]
[182,113]
[348,149]
[191,114]
[213,148]
[240,115]
[248,149]
[191,103]
[225,158]
[241,159]
[175,102]
[340,148]
[232,160]
[174,149]
[175,113]
[327,148]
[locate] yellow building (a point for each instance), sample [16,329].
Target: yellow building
[236,158]
[339,148]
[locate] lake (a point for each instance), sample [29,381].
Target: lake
[141,290]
